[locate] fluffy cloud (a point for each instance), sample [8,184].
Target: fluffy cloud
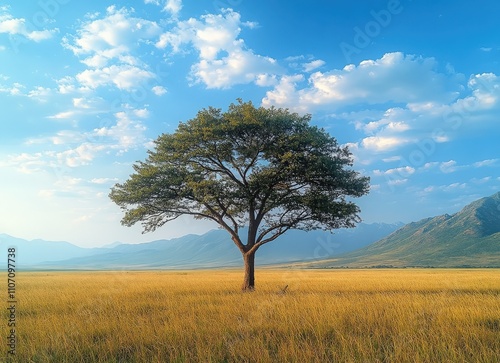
[19,26]
[394,78]
[284,94]
[112,38]
[383,143]
[224,59]
[445,166]
[126,134]
[124,77]
[107,47]
[38,93]
[81,155]
[159,90]
[14,90]
[400,103]
[311,66]
[171,6]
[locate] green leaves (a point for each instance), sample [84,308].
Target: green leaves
[266,168]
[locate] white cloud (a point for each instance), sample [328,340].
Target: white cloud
[392,120]
[63,115]
[396,182]
[82,106]
[24,163]
[40,93]
[453,187]
[444,166]
[481,180]
[224,59]
[171,6]
[108,46]
[404,171]
[284,94]
[488,162]
[391,159]
[113,37]
[14,90]
[396,101]
[72,148]
[66,85]
[159,90]
[81,102]
[485,91]
[430,165]
[63,137]
[67,182]
[19,26]
[381,143]
[310,66]
[266,80]
[393,78]
[103,180]
[126,134]
[124,77]
[448,166]
[81,155]
[69,85]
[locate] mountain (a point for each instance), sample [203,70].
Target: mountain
[470,237]
[38,251]
[212,249]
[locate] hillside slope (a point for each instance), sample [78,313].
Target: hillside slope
[470,237]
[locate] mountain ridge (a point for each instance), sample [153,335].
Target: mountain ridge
[470,237]
[212,249]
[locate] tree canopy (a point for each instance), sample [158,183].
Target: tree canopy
[265,168]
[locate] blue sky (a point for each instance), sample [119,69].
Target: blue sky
[412,87]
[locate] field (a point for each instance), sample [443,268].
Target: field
[201,316]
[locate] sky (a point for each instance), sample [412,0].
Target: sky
[411,87]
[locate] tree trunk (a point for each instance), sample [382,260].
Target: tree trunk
[249,280]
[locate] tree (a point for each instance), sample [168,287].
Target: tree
[265,168]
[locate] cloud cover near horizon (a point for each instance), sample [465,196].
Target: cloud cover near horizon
[93,84]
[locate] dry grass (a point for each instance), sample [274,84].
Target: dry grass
[201,316]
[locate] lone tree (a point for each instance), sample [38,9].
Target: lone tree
[264,168]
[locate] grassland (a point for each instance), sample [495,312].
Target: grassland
[201,316]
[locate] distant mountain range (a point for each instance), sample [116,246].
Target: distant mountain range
[212,249]
[469,238]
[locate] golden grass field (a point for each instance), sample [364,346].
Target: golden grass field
[201,316]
